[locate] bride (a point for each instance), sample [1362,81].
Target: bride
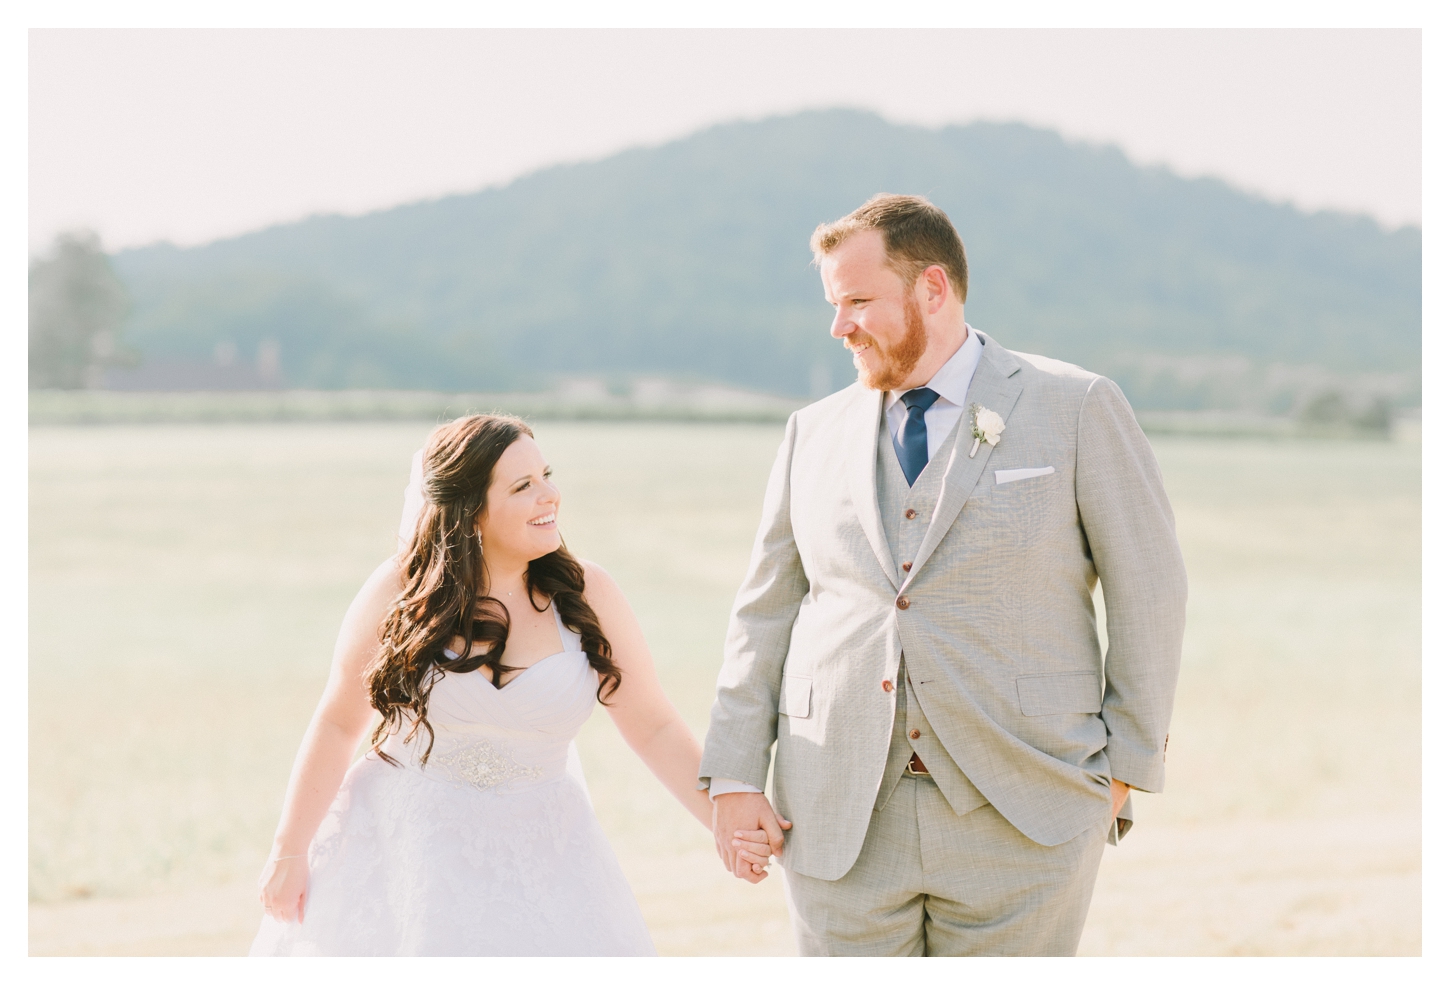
[466,829]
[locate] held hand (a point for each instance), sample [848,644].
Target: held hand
[283,888]
[752,852]
[1120,796]
[741,815]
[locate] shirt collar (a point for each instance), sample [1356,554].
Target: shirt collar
[955,376]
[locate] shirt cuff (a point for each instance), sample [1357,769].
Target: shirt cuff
[719,785]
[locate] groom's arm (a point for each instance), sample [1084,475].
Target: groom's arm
[1129,526]
[747,695]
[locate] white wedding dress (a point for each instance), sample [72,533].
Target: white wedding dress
[492,848]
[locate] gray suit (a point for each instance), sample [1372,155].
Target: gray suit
[991,629]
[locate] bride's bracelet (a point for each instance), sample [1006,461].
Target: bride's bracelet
[280,858]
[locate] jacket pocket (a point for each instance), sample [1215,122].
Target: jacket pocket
[795,697]
[1060,694]
[1005,476]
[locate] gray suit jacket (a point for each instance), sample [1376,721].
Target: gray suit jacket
[995,617]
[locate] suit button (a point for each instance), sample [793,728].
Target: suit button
[905,565]
[911,514]
[903,603]
[887,686]
[915,733]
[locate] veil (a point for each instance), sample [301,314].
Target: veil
[412,501]
[412,507]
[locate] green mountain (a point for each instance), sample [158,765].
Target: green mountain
[691,260]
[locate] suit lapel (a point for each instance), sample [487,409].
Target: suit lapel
[863,433]
[995,386]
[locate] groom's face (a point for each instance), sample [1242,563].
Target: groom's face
[877,318]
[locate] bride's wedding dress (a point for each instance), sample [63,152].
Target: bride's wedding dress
[492,848]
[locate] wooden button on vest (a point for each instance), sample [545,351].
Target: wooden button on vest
[903,603]
[911,514]
[887,686]
[915,733]
[905,565]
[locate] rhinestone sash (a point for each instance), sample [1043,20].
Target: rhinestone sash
[483,765]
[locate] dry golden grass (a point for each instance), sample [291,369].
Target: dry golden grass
[186,583]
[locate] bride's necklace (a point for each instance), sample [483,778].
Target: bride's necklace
[511,594]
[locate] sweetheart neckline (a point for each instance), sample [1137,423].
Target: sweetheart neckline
[563,632]
[499,689]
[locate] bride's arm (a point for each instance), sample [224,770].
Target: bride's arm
[337,726]
[643,714]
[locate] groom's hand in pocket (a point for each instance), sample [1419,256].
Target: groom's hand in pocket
[738,816]
[1120,796]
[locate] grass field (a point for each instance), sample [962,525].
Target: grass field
[186,582]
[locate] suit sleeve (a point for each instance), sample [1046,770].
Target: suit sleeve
[747,694]
[1129,526]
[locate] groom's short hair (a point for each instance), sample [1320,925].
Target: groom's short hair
[917,235]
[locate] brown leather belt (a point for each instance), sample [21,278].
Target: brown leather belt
[916,767]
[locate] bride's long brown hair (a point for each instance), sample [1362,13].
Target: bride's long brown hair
[446,583]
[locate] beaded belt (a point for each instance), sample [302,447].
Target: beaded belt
[481,764]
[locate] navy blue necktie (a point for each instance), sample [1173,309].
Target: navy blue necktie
[911,453]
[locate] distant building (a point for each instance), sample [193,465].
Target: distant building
[223,372]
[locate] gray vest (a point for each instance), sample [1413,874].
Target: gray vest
[905,514]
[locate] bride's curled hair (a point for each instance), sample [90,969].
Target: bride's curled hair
[446,585]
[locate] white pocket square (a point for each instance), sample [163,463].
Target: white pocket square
[1005,476]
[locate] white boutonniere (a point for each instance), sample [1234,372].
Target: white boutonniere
[987,425]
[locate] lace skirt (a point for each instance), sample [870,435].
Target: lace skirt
[408,864]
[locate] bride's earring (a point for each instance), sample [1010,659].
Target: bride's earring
[478,533]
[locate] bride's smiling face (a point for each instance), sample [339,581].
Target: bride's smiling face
[520,516]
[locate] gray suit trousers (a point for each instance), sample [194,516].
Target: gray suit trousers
[931,882]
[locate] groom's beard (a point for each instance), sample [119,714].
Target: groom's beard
[899,360]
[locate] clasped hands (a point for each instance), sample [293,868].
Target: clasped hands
[748,832]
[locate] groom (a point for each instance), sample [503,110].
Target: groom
[916,632]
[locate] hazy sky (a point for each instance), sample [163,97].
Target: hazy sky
[194,135]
